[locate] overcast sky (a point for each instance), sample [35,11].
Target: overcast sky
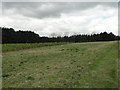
[45,18]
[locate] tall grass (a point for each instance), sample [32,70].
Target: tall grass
[13,47]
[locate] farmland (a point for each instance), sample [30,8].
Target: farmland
[74,65]
[14,47]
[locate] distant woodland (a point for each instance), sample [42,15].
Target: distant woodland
[9,35]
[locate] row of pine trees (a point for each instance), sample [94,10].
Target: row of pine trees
[9,35]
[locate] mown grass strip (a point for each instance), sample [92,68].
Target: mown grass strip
[76,65]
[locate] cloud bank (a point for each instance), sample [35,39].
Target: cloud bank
[46,18]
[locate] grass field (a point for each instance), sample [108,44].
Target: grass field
[14,47]
[74,65]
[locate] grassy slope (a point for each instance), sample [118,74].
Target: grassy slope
[80,65]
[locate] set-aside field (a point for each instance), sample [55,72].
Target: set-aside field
[74,65]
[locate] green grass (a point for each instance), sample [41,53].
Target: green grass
[75,65]
[13,47]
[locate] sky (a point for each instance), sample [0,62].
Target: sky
[46,18]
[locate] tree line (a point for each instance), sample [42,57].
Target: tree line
[9,35]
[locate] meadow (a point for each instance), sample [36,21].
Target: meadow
[14,47]
[73,65]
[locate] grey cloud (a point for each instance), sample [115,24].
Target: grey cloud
[44,10]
